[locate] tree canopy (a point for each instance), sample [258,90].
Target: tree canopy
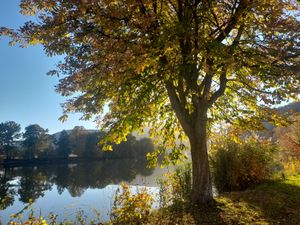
[10,131]
[171,65]
[36,140]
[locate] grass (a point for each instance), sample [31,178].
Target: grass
[274,202]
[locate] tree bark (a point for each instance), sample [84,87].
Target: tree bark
[201,177]
[195,128]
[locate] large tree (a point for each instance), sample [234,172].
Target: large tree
[172,65]
[36,141]
[9,133]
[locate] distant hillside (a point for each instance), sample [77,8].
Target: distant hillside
[292,107]
[57,134]
[137,135]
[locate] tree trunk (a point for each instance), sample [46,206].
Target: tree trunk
[201,178]
[194,127]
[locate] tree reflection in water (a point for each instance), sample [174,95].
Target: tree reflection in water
[30,183]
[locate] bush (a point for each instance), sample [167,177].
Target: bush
[131,208]
[175,187]
[291,166]
[236,166]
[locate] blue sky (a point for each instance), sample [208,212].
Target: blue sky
[27,94]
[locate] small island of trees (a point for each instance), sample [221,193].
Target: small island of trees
[36,145]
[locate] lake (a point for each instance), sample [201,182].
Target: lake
[68,188]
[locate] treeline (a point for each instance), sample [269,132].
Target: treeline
[37,143]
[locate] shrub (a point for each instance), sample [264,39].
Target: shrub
[175,187]
[16,218]
[131,208]
[236,166]
[291,166]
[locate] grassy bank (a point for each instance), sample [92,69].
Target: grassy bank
[276,202]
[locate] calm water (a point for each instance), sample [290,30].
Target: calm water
[68,188]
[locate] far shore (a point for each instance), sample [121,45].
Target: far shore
[8,163]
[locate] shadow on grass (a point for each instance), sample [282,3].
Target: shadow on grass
[275,202]
[278,202]
[187,215]
[223,211]
[210,214]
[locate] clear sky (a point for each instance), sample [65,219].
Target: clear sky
[27,94]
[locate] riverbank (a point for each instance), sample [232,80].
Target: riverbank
[274,202]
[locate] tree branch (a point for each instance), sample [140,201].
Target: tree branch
[221,90]
[180,90]
[207,81]
[180,10]
[173,6]
[237,39]
[180,111]
[233,20]
[250,87]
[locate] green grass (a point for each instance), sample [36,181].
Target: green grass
[274,202]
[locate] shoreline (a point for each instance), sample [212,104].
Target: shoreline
[10,163]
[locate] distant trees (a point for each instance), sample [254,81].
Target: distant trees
[144,146]
[63,145]
[36,141]
[77,137]
[125,149]
[9,133]
[131,148]
[289,137]
[91,145]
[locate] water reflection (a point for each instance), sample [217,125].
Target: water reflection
[7,191]
[31,183]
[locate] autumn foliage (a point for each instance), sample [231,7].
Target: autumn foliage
[130,208]
[236,166]
[289,137]
[172,66]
